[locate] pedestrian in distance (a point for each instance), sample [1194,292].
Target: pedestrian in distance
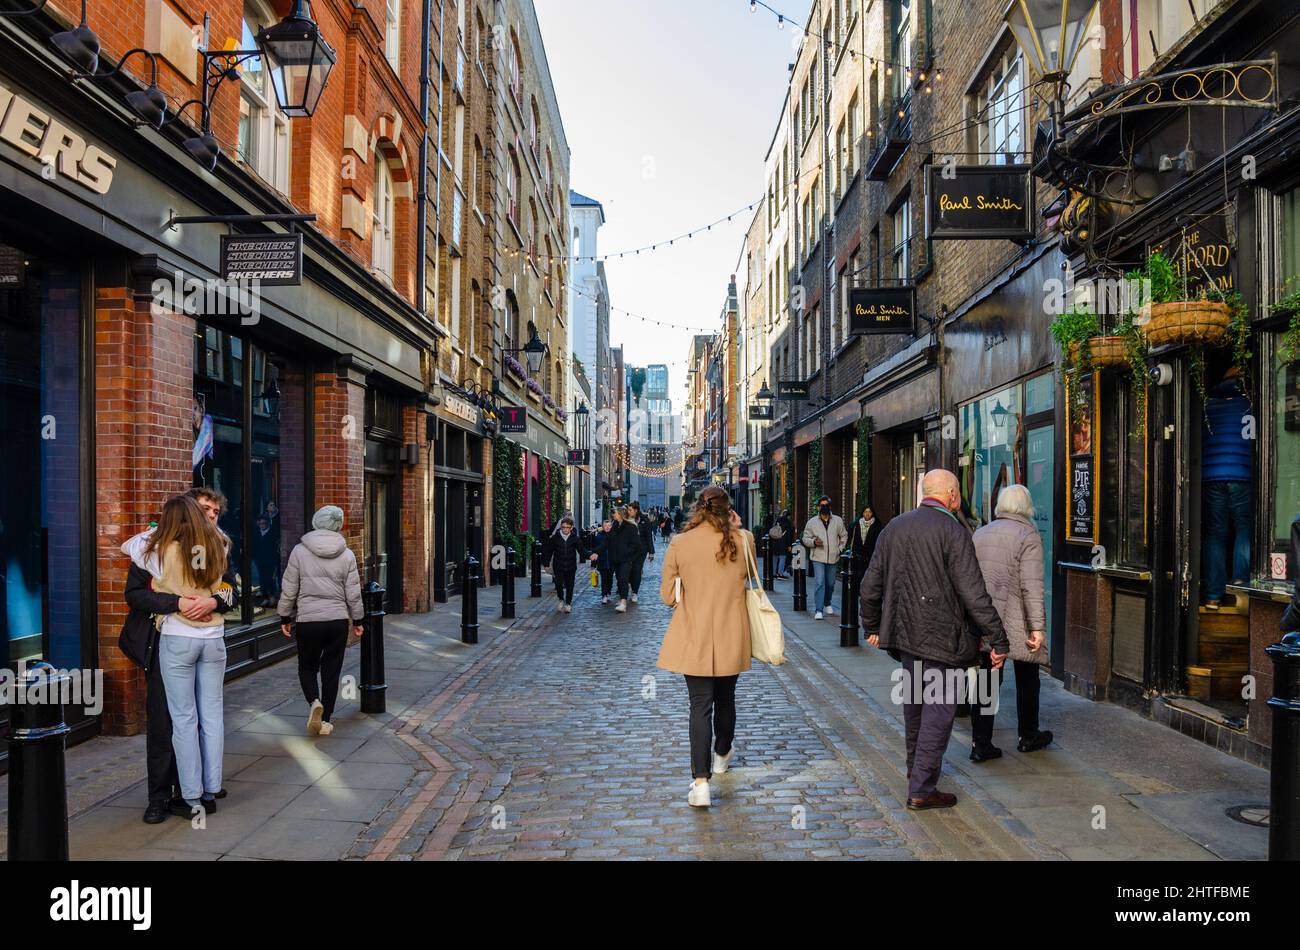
[139,641]
[624,551]
[866,532]
[924,602]
[825,537]
[1010,553]
[320,601]
[646,542]
[603,560]
[707,640]
[186,556]
[565,550]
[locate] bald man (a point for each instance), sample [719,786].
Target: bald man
[923,600]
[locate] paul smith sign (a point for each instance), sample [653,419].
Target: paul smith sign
[882,310]
[61,151]
[979,202]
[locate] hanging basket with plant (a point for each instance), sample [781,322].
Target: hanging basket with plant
[1074,330]
[1174,317]
[1288,350]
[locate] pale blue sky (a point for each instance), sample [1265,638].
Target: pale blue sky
[669,107]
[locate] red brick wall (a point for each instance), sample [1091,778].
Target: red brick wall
[143,439]
[415,539]
[339,417]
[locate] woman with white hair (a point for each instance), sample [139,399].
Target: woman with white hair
[1010,554]
[320,599]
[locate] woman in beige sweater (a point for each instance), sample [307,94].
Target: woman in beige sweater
[708,638]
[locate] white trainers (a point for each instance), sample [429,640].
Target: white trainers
[699,795]
[817,616]
[722,762]
[830,611]
[635,598]
[559,608]
[326,728]
[568,608]
[314,715]
[604,600]
[621,608]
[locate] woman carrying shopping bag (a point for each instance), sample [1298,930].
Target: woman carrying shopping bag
[708,638]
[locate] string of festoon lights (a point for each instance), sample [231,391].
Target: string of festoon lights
[650,471]
[890,65]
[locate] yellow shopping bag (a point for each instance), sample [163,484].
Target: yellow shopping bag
[595,578]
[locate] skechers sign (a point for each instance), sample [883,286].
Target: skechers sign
[882,310]
[979,202]
[60,150]
[273,259]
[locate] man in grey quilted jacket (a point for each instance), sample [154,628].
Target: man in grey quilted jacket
[924,601]
[321,594]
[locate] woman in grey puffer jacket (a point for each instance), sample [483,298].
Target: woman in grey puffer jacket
[1010,553]
[320,598]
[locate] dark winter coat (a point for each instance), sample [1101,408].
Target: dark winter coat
[563,554]
[863,548]
[646,533]
[625,543]
[924,592]
[600,545]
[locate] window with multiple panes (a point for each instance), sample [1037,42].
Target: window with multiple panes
[1000,110]
[263,143]
[902,221]
[393,31]
[381,219]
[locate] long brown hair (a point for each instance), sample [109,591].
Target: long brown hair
[714,508]
[182,521]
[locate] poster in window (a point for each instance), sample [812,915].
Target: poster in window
[1081,489]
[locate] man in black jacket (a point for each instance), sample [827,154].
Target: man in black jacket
[646,532]
[923,600]
[1291,617]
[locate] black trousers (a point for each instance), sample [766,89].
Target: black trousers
[160,760]
[1027,688]
[982,714]
[564,583]
[606,581]
[623,571]
[321,645]
[713,720]
[634,576]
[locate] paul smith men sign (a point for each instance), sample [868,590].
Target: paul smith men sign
[979,202]
[882,310]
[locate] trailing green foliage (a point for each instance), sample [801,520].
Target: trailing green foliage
[814,473]
[1289,348]
[1072,330]
[864,464]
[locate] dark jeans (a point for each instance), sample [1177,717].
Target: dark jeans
[1027,688]
[564,584]
[713,712]
[623,571]
[634,575]
[160,759]
[606,581]
[1227,535]
[928,725]
[321,645]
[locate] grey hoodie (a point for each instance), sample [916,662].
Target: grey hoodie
[321,581]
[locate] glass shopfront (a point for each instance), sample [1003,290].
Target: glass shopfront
[1284,489]
[250,443]
[41,429]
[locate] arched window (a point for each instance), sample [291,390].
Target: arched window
[381,219]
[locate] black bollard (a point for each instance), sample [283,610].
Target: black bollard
[769,580]
[848,602]
[469,601]
[536,589]
[508,586]
[38,778]
[1284,783]
[373,687]
[800,575]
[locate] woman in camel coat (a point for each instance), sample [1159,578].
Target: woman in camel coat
[708,638]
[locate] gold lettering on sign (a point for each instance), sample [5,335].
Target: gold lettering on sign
[996,203]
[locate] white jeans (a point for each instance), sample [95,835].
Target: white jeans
[193,673]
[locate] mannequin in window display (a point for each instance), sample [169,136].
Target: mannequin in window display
[1227,465]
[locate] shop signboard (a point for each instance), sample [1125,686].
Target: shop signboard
[792,389]
[759,412]
[882,310]
[273,260]
[514,419]
[1081,489]
[979,202]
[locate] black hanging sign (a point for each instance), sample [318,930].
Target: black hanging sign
[274,260]
[514,419]
[13,268]
[979,202]
[579,456]
[759,412]
[882,310]
[792,389]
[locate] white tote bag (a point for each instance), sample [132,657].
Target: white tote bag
[766,637]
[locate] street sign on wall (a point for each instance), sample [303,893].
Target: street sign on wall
[271,259]
[514,419]
[979,202]
[792,389]
[882,310]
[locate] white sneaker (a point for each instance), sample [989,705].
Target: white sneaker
[326,728]
[568,608]
[604,600]
[314,715]
[830,611]
[621,608]
[699,795]
[559,608]
[817,616]
[722,762]
[635,598]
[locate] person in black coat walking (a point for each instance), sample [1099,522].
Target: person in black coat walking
[566,550]
[600,547]
[646,535]
[863,536]
[625,551]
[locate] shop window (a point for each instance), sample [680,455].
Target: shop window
[990,451]
[393,32]
[901,46]
[381,217]
[263,143]
[261,470]
[998,102]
